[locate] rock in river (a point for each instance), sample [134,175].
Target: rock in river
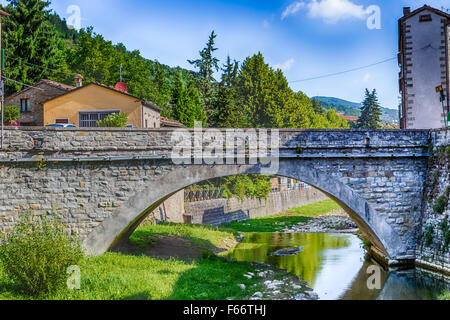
[288,251]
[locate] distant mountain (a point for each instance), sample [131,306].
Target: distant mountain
[390,116]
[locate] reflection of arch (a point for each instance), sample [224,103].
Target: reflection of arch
[130,215]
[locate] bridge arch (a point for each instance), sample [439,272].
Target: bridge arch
[130,215]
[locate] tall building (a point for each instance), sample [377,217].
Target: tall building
[424,61]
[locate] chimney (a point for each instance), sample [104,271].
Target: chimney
[78,80]
[406,11]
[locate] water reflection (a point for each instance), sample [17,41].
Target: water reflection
[334,266]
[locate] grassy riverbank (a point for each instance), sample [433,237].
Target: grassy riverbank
[280,222]
[170,262]
[445,296]
[180,262]
[140,273]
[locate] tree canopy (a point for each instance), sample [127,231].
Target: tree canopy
[371,112]
[39,44]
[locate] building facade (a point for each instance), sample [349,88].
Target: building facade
[85,105]
[424,62]
[31,101]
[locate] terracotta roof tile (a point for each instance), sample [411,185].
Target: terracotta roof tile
[166,122]
[58,85]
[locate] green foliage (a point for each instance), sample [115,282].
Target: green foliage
[366,242]
[250,186]
[239,186]
[316,209]
[37,253]
[318,107]
[276,223]
[370,113]
[187,104]
[429,235]
[30,39]
[64,31]
[11,113]
[354,109]
[445,228]
[280,222]
[207,65]
[116,276]
[445,296]
[114,120]
[441,204]
[250,95]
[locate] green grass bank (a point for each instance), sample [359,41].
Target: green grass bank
[145,268]
[279,222]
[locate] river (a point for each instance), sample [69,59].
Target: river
[335,267]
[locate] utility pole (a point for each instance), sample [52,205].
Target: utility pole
[2,85]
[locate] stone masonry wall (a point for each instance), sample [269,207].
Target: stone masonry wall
[218,211]
[99,175]
[433,249]
[37,96]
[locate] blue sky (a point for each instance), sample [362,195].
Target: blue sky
[306,38]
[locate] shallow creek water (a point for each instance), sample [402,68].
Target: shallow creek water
[334,265]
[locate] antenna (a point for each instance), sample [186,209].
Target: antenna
[120,72]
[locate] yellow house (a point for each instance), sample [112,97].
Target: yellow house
[85,105]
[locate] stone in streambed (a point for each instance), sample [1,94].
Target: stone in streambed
[288,251]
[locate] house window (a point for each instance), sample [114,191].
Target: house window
[425,18]
[89,119]
[25,105]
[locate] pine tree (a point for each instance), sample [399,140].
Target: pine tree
[187,106]
[371,112]
[207,65]
[230,72]
[227,112]
[33,49]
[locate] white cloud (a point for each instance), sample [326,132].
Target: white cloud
[293,8]
[366,77]
[266,24]
[285,66]
[333,11]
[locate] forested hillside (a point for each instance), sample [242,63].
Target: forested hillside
[389,116]
[248,94]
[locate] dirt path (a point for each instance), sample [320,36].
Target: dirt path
[166,247]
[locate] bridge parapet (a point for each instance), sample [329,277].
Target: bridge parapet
[38,143]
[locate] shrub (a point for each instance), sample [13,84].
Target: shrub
[35,255]
[428,235]
[12,114]
[445,228]
[115,120]
[441,204]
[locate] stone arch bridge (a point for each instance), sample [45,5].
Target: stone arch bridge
[104,182]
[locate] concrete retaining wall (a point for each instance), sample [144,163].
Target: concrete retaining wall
[172,210]
[216,212]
